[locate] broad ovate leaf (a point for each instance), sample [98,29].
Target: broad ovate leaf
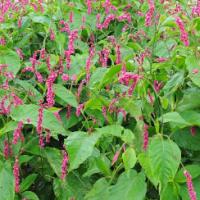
[80,146]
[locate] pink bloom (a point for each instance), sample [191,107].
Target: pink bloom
[56,114]
[16,174]
[79,109]
[190,187]
[104,112]
[108,6]
[115,158]
[89,6]
[65,77]
[159,60]
[48,63]
[39,125]
[18,132]
[52,35]
[89,62]
[195,71]
[108,20]
[65,27]
[118,55]
[2,41]
[16,100]
[7,151]
[150,97]
[145,137]
[193,130]
[19,23]
[150,13]
[80,87]
[183,34]
[103,57]
[42,53]
[20,53]
[157,85]
[125,16]
[126,78]
[39,77]
[64,165]
[4,106]
[50,93]
[71,15]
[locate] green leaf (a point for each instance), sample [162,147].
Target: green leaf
[97,77]
[129,186]
[188,103]
[54,158]
[11,59]
[164,159]
[169,192]
[191,117]
[40,19]
[23,112]
[192,63]
[129,158]
[73,186]
[28,87]
[175,82]
[30,195]
[110,75]
[99,191]
[194,170]
[66,95]
[186,140]
[114,130]
[80,146]
[27,182]
[7,189]
[175,118]
[10,126]
[145,163]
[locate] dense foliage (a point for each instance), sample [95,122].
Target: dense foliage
[99,100]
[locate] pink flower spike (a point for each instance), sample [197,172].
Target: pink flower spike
[145,137]
[16,175]
[64,165]
[79,109]
[17,133]
[115,158]
[183,33]
[190,187]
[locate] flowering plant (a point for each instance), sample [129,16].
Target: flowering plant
[99,100]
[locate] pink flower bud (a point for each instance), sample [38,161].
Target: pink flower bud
[115,158]
[16,174]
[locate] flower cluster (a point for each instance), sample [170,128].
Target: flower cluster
[16,174]
[50,93]
[184,34]
[190,187]
[18,133]
[150,13]
[145,137]
[64,165]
